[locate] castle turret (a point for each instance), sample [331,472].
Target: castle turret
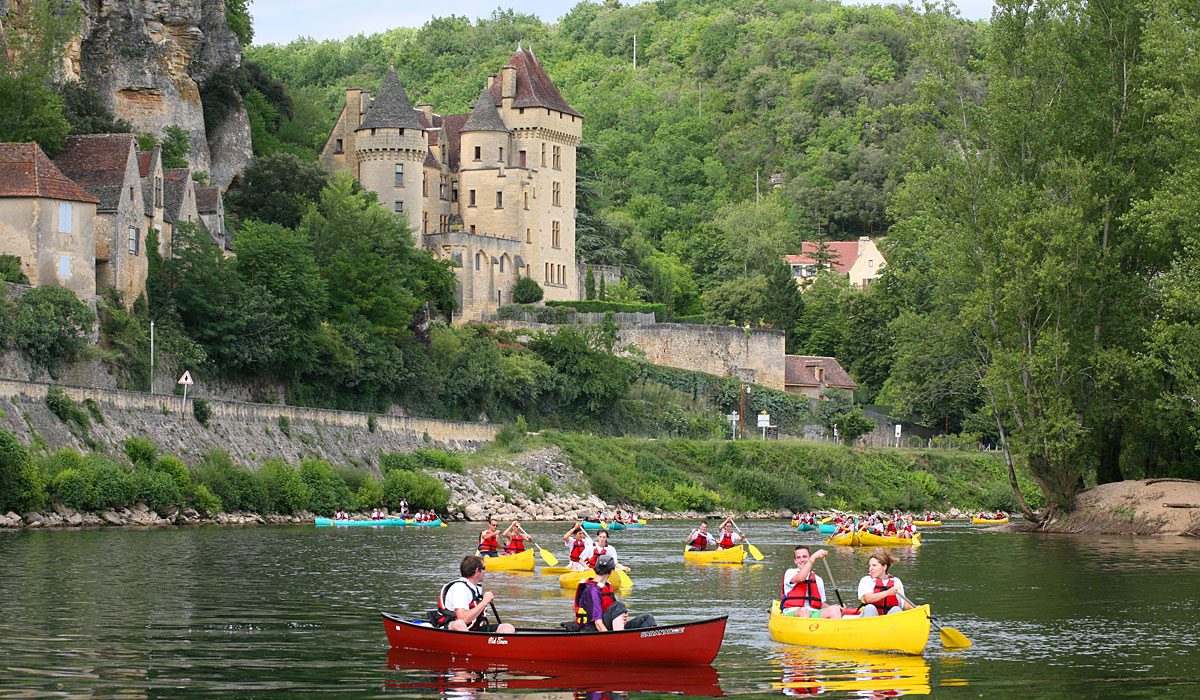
[390,148]
[488,198]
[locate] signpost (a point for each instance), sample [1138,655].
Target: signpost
[764,422]
[733,420]
[186,381]
[897,435]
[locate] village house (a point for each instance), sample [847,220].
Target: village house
[812,376]
[150,168]
[859,260]
[210,205]
[47,221]
[106,166]
[493,191]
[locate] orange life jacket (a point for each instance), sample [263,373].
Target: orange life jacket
[804,593]
[884,604]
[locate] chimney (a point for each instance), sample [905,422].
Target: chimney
[491,80]
[427,110]
[862,243]
[508,83]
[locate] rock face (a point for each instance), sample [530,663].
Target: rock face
[150,57]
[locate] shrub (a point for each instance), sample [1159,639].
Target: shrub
[545,484]
[372,422]
[286,491]
[421,490]
[511,431]
[94,409]
[692,497]
[285,426]
[75,488]
[22,484]
[175,468]
[202,410]
[233,484]
[65,458]
[158,489]
[141,451]
[67,410]
[369,495]
[526,290]
[204,501]
[329,492]
[436,460]
[659,310]
[397,461]
[114,486]
[52,325]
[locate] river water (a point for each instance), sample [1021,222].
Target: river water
[279,611]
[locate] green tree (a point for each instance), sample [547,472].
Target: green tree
[53,326]
[10,270]
[741,300]
[176,145]
[753,236]
[277,189]
[22,486]
[526,290]
[85,110]
[783,305]
[237,16]
[589,284]
[30,111]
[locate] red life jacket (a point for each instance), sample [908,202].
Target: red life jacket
[887,603]
[596,552]
[700,541]
[726,540]
[606,599]
[488,544]
[517,544]
[445,616]
[577,547]
[891,526]
[804,593]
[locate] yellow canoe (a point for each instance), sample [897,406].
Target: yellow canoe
[906,632]
[927,523]
[867,539]
[733,555]
[555,570]
[844,539]
[571,580]
[521,561]
[986,521]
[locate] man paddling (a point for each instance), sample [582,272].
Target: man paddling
[463,602]
[803,592]
[596,607]
[578,547]
[699,539]
[489,542]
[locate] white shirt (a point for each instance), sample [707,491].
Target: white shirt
[788,585]
[460,597]
[867,585]
[711,540]
[592,547]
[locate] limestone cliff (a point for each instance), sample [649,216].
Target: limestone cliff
[150,57]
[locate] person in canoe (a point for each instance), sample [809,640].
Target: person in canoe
[803,592]
[728,538]
[878,589]
[579,547]
[599,548]
[489,540]
[463,602]
[597,609]
[699,539]
[514,538]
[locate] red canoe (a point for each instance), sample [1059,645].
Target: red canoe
[430,671]
[688,643]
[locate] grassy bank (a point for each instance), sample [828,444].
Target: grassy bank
[748,475]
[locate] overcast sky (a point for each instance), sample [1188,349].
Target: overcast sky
[280,21]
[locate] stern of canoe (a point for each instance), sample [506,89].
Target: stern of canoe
[521,561]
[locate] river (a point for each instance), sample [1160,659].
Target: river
[278,611]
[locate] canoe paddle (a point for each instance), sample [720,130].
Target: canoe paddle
[950,637]
[835,586]
[753,550]
[546,556]
[495,612]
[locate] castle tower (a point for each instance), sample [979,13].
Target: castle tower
[389,148]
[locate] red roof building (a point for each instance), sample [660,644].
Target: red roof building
[812,375]
[860,260]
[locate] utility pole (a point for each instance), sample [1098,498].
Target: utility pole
[756,187]
[699,99]
[741,410]
[152,357]
[635,51]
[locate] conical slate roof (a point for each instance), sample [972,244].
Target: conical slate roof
[484,116]
[391,109]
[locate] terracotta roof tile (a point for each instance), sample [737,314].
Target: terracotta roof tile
[431,161]
[26,172]
[843,255]
[534,86]
[175,181]
[208,199]
[95,159]
[801,370]
[145,160]
[453,124]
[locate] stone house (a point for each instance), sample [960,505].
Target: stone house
[47,221]
[812,376]
[179,199]
[106,166]
[150,168]
[859,260]
[493,190]
[210,205]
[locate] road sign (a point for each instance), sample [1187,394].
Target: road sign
[897,430]
[732,417]
[764,420]
[186,379]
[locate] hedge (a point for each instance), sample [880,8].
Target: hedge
[659,310]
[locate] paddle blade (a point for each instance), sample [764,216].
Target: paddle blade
[953,638]
[626,582]
[641,521]
[548,557]
[822,522]
[755,553]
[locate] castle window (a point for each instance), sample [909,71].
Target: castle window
[442,187]
[133,240]
[870,263]
[499,200]
[424,184]
[526,195]
[555,230]
[528,236]
[399,207]
[558,157]
[543,155]
[501,263]
[546,273]
[476,259]
[521,155]
[521,110]
[424,222]
[131,194]
[472,228]
[372,132]
[478,152]
[399,174]
[501,157]
[64,266]
[64,217]
[471,198]
[337,147]
[454,193]
[556,194]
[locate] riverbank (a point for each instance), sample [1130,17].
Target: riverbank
[1163,507]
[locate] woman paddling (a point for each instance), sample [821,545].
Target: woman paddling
[879,591]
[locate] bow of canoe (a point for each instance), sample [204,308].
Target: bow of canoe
[733,555]
[867,539]
[844,539]
[927,523]
[906,632]
[691,643]
[521,561]
[988,521]
[571,579]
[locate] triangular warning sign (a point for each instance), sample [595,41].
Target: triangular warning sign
[186,378]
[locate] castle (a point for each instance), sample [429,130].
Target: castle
[492,191]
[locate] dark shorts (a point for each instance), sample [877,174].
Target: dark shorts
[618,609]
[489,554]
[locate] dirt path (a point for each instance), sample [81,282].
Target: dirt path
[1150,507]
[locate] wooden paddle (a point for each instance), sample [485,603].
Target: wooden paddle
[753,550]
[950,637]
[835,586]
[546,556]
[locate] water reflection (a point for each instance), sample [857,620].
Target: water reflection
[468,677]
[808,671]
